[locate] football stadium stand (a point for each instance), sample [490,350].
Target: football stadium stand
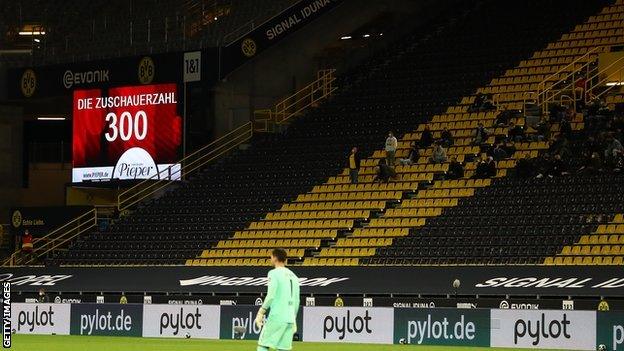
[292,190]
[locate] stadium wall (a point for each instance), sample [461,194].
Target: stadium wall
[11,126]
[293,62]
[539,329]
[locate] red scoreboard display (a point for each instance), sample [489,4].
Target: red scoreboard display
[125,133]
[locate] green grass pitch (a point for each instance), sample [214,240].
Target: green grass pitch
[108,343]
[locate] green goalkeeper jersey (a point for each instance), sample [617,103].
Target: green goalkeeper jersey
[282,300]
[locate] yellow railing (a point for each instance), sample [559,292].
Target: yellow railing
[605,78]
[549,91]
[55,239]
[542,87]
[308,96]
[185,167]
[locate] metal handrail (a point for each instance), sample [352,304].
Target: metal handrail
[565,68]
[292,105]
[603,80]
[89,218]
[188,164]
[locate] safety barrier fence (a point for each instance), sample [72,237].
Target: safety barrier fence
[513,328]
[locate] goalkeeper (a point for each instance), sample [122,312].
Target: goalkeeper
[282,303]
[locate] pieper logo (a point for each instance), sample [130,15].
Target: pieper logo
[180,321]
[77,78]
[347,325]
[135,163]
[541,329]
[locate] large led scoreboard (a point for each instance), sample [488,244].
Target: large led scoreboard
[124,133]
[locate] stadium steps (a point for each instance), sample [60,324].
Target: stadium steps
[601,247]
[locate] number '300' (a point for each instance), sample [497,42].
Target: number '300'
[126,126]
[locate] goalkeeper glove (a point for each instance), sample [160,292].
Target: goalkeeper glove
[260,317]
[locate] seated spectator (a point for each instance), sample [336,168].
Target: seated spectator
[412,157]
[486,168]
[619,162]
[509,147]
[384,172]
[590,146]
[455,170]
[565,127]
[613,150]
[559,146]
[542,165]
[503,119]
[524,168]
[543,129]
[490,167]
[593,164]
[438,155]
[499,153]
[480,134]
[446,138]
[426,138]
[557,167]
[477,103]
[515,132]
[488,104]
[556,113]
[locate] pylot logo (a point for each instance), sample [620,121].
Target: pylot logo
[105,322]
[618,337]
[106,319]
[425,330]
[40,318]
[35,319]
[541,328]
[610,330]
[349,324]
[77,78]
[570,330]
[247,323]
[518,306]
[442,327]
[237,322]
[181,320]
